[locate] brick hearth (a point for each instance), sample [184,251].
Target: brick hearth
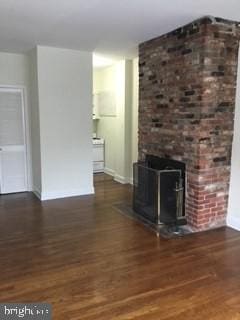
[186,111]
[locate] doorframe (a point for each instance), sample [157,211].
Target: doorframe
[27,131]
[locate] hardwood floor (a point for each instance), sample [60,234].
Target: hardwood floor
[91,262]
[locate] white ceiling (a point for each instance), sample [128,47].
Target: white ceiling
[106,26]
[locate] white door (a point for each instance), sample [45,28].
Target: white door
[13,165]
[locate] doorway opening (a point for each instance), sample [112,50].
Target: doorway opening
[115,114]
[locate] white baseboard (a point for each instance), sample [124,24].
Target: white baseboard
[130,180]
[62,193]
[120,179]
[233,222]
[109,171]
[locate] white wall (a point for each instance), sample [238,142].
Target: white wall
[59,98]
[121,127]
[65,112]
[14,71]
[127,120]
[135,102]
[35,124]
[233,218]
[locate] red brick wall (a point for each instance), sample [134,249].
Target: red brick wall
[186,110]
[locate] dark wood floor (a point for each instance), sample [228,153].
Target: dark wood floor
[93,263]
